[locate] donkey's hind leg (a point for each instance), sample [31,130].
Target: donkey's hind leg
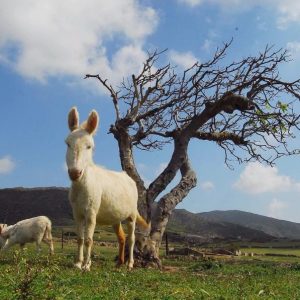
[121,240]
[47,239]
[49,242]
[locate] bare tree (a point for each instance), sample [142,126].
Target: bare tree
[244,107]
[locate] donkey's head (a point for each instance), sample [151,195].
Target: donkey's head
[80,143]
[2,227]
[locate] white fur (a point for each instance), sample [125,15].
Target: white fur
[97,196]
[36,230]
[2,240]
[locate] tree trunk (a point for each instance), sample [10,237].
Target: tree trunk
[128,165]
[168,202]
[178,158]
[147,247]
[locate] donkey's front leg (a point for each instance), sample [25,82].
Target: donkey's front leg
[8,243]
[88,241]
[80,239]
[131,241]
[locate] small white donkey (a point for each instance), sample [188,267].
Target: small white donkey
[37,229]
[97,195]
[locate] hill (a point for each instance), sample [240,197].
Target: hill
[21,203]
[271,226]
[193,228]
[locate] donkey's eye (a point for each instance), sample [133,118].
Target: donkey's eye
[88,147]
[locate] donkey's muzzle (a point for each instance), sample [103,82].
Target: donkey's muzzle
[74,174]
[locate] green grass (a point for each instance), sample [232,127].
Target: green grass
[279,251]
[28,276]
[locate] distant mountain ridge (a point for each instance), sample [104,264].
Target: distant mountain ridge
[271,226]
[205,230]
[21,203]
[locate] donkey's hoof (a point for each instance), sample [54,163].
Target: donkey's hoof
[130,266]
[78,265]
[86,267]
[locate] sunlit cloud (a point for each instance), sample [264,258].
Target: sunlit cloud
[286,12]
[294,49]
[257,178]
[7,165]
[72,38]
[207,185]
[183,60]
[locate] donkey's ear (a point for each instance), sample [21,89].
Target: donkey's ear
[92,122]
[73,119]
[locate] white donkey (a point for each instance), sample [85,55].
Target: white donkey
[98,196]
[37,229]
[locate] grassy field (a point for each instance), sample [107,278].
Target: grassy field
[278,251]
[28,276]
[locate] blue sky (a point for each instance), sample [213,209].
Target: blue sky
[46,48]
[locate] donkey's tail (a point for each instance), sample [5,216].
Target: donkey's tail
[48,236]
[140,221]
[48,230]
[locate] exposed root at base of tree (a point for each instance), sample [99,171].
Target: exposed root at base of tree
[143,259]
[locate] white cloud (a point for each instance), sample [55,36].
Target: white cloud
[257,178]
[286,11]
[207,185]
[210,43]
[261,23]
[73,37]
[7,165]
[191,3]
[225,4]
[289,11]
[276,208]
[294,49]
[183,60]
[293,46]
[207,45]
